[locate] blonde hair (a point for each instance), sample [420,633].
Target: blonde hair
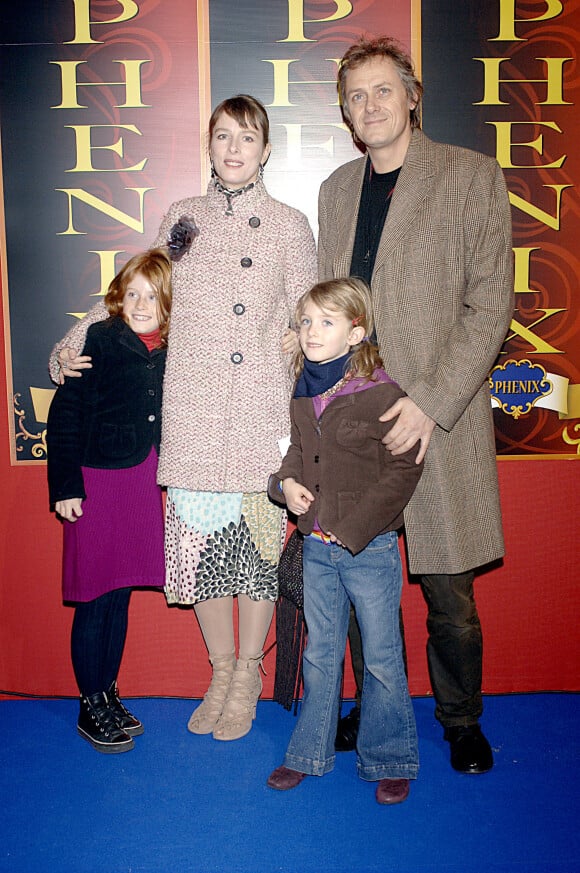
[351,297]
[155,266]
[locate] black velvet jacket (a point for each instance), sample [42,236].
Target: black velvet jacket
[110,417]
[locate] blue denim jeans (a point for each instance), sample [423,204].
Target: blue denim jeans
[372,581]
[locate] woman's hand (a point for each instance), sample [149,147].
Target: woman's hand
[69,509]
[71,363]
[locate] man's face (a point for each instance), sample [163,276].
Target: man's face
[378,106]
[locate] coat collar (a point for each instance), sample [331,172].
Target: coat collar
[412,188]
[129,338]
[248,202]
[339,402]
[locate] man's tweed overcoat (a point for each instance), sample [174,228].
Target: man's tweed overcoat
[442,292]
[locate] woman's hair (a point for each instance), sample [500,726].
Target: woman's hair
[247,111]
[381,47]
[155,266]
[351,297]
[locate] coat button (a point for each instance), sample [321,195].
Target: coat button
[151,418]
[316,459]
[236,358]
[239,309]
[254,221]
[317,488]
[246,262]
[150,366]
[151,392]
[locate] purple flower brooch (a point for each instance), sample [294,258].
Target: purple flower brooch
[181,236]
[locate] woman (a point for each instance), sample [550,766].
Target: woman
[241,260]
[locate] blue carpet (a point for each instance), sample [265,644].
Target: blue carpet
[183,803]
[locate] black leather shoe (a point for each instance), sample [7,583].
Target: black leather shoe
[125,719]
[470,751]
[347,731]
[98,726]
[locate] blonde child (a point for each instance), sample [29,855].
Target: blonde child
[103,441]
[348,494]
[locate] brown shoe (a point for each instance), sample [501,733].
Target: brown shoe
[282,778]
[392,791]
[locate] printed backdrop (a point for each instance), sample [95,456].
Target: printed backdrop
[103,110]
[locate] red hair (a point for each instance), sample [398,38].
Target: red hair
[155,266]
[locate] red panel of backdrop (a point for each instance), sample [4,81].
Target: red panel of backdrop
[94,149]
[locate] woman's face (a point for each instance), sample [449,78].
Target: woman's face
[236,152]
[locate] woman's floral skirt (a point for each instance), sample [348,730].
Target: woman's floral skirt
[218,545]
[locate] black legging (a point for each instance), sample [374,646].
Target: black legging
[98,638]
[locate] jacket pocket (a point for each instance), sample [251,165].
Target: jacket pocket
[117,440]
[347,502]
[353,434]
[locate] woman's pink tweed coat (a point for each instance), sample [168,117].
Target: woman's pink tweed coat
[227,383]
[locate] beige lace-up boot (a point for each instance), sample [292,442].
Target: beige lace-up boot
[240,707]
[204,719]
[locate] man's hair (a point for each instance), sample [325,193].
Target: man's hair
[381,47]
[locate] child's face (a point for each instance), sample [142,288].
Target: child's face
[326,334]
[140,305]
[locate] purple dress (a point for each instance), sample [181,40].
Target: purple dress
[118,541]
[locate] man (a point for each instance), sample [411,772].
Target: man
[431,234]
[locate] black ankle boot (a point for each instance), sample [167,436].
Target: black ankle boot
[98,726]
[125,719]
[347,731]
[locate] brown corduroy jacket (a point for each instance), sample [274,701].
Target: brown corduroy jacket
[360,488]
